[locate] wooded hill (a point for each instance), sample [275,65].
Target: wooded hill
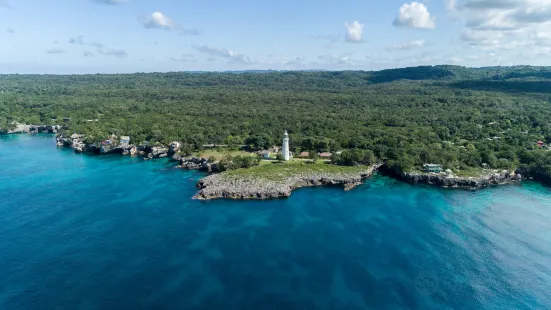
[455,116]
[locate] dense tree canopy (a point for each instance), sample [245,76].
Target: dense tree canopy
[455,116]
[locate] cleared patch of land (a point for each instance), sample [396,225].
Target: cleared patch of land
[279,180]
[220,154]
[276,171]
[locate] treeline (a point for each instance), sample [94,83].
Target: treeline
[455,116]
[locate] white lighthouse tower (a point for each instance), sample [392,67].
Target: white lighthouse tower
[285,146]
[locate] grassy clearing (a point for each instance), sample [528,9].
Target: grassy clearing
[280,171]
[219,154]
[472,172]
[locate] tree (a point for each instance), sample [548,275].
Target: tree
[280,157]
[261,141]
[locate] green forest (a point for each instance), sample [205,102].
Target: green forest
[455,116]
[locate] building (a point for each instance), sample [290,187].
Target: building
[432,168]
[304,154]
[540,143]
[265,154]
[285,146]
[125,140]
[325,155]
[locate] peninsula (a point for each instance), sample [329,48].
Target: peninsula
[278,180]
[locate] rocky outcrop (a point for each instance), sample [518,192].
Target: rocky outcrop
[44,128]
[158,152]
[173,148]
[195,163]
[491,177]
[24,128]
[239,187]
[537,174]
[76,142]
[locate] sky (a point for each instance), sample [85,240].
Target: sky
[125,36]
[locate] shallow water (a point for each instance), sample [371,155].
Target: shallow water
[111,232]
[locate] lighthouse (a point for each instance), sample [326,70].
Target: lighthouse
[285,146]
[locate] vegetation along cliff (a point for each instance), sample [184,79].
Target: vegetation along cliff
[460,118]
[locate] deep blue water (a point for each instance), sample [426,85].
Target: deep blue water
[111,232]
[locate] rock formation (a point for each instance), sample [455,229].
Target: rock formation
[24,128]
[158,152]
[491,177]
[239,187]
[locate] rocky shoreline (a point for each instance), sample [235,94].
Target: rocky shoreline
[222,185]
[24,128]
[491,177]
[235,187]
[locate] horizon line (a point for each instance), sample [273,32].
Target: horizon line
[279,70]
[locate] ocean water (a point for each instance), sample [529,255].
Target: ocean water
[111,232]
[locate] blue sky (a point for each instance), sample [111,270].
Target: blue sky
[96,36]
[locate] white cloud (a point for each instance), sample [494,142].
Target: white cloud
[354,31]
[113,52]
[184,58]
[344,60]
[100,48]
[229,55]
[451,5]
[408,45]
[414,15]
[298,61]
[10,31]
[158,20]
[55,51]
[110,1]
[505,24]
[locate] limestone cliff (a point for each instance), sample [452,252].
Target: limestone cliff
[490,177]
[238,187]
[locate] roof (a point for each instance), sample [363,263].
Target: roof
[540,142]
[125,138]
[304,154]
[325,154]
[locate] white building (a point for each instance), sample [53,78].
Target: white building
[285,146]
[265,154]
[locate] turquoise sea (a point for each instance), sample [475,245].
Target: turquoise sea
[112,232]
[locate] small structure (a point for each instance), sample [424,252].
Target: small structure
[540,143]
[125,140]
[326,155]
[434,168]
[304,154]
[265,154]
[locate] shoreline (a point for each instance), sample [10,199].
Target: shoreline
[228,185]
[235,186]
